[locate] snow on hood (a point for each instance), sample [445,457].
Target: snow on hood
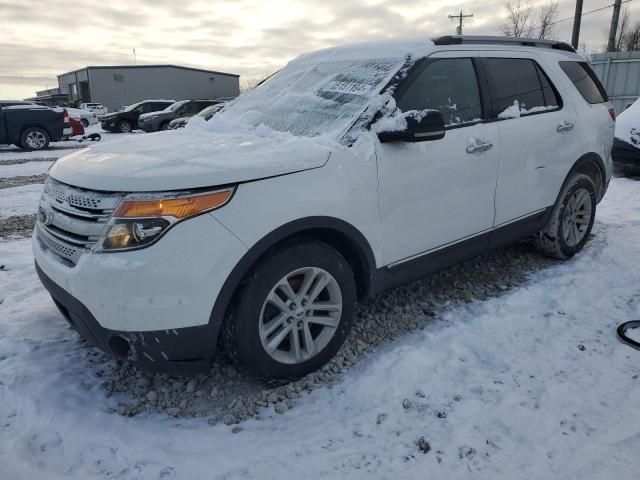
[628,125]
[188,158]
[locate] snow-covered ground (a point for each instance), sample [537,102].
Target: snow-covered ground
[19,200]
[23,169]
[532,384]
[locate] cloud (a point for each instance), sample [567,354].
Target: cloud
[40,39]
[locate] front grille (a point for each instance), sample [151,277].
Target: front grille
[71,219]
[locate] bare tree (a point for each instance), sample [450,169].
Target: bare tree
[632,39]
[518,22]
[522,13]
[547,15]
[623,27]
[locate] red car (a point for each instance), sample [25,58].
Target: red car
[76,127]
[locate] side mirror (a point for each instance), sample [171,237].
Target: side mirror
[420,127]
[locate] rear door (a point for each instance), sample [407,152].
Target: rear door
[439,192]
[537,128]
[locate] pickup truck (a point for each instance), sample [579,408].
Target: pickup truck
[30,126]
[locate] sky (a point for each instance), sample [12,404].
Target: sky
[40,39]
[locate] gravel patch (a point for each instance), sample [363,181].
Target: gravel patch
[228,396]
[10,182]
[20,161]
[16,227]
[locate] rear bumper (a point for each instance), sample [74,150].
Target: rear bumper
[181,351]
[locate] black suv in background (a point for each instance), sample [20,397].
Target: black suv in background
[154,121]
[127,120]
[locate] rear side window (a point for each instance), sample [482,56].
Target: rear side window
[585,81]
[449,86]
[519,87]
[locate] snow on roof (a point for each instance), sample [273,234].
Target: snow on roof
[414,47]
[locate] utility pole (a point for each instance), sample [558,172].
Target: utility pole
[135,59]
[613,31]
[461,17]
[575,38]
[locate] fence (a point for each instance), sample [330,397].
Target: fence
[619,72]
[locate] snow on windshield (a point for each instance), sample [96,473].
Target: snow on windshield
[312,99]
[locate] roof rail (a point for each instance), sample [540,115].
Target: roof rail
[507,41]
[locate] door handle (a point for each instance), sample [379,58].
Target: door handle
[565,127]
[479,147]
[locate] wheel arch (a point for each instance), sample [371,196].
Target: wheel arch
[35,125]
[342,236]
[590,164]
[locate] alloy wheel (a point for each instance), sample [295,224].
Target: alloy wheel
[577,217]
[36,140]
[300,315]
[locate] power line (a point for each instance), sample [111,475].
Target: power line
[585,13]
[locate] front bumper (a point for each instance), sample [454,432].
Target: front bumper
[183,351]
[149,125]
[158,299]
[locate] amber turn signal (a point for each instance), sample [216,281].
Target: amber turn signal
[179,208]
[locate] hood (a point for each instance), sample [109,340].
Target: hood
[109,115]
[151,114]
[185,159]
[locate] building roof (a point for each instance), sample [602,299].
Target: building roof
[119,67]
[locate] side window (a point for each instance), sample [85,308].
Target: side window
[449,86]
[585,81]
[518,87]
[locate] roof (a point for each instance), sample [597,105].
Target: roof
[120,67]
[420,47]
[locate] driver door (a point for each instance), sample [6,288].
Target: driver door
[438,193]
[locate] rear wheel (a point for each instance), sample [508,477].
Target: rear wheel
[124,126]
[34,138]
[84,122]
[293,312]
[571,220]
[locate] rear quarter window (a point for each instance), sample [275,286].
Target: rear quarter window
[586,81]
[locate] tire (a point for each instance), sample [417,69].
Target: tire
[34,138]
[124,126]
[84,122]
[246,330]
[571,220]
[164,126]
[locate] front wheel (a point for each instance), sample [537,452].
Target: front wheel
[124,126]
[293,312]
[571,220]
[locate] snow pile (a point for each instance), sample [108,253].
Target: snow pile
[516,110]
[628,125]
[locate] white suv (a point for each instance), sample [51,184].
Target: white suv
[350,171]
[96,108]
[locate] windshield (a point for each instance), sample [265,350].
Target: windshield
[175,106]
[132,107]
[313,99]
[209,110]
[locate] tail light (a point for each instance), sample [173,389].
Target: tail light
[612,112]
[66,116]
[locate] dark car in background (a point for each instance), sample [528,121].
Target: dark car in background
[207,113]
[127,120]
[155,121]
[30,126]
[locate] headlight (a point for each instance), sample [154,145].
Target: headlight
[140,220]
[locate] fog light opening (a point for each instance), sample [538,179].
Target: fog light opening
[120,346]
